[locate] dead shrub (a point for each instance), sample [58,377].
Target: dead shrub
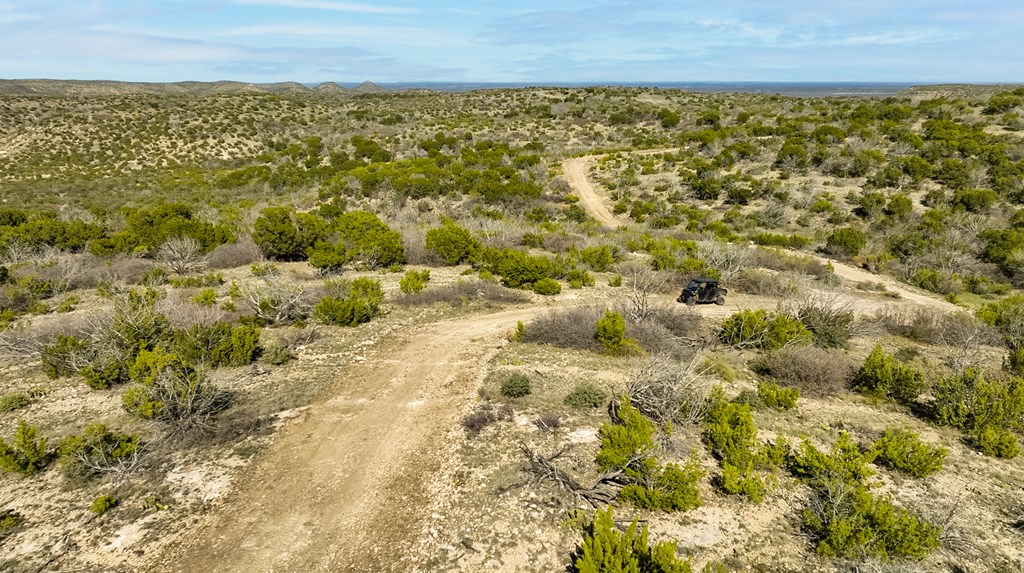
[816,372]
[567,328]
[665,390]
[464,292]
[231,255]
[182,255]
[122,271]
[277,301]
[656,338]
[28,340]
[681,321]
[548,422]
[484,416]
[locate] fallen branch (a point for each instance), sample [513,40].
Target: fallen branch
[601,493]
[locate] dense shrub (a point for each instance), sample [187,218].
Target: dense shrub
[903,451]
[452,243]
[8,521]
[283,234]
[730,432]
[989,407]
[847,521]
[585,395]
[673,488]
[599,258]
[763,330]
[579,278]
[368,239]
[217,344]
[744,481]
[14,401]
[974,200]
[327,257]
[883,376]
[814,371]
[606,549]
[775,397]
[414,281]
[1007,316]
[611,333]
[997,442]
[27,453]
[515,386]
[629,445]
[516,268]
[846,462]
[352,302]
[731,436]
[96,451]
[103,504]
[846,241]
[547,287]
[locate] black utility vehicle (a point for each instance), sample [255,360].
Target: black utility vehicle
[702,290]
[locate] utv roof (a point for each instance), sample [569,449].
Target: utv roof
[704,280]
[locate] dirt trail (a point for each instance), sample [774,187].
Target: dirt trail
[576,170]
[344,485]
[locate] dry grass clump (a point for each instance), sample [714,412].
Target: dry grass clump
[762,283]
[566,328]
[665,330]
[931,326]
[782,261]
[462,293]
[814,371]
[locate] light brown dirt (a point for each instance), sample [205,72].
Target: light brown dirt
[344,485]
[576,175]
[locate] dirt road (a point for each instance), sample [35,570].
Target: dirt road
[343,486]
[576,169]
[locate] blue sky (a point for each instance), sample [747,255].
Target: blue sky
[514,41]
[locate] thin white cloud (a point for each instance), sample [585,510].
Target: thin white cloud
[338,31]
[898,38]
[329,5]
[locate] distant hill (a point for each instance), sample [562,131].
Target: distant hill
[369,87]
[331,88]
[108,87]
[970,92]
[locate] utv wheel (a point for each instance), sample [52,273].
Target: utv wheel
[691,301]
[720,300]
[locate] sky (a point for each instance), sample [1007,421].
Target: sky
[567,41]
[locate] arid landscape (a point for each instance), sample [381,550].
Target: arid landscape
[274,327]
